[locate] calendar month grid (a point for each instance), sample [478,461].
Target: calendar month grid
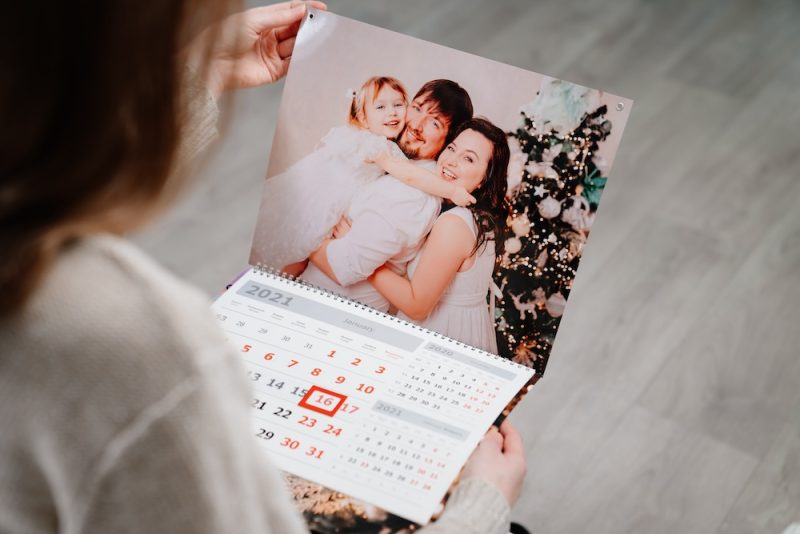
[358,401]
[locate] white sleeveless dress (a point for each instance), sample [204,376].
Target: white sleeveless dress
[463,310]
[300,206]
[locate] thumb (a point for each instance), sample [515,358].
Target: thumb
[492,440]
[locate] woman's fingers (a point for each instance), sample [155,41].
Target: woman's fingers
[284,17]
[493,439]
[512,440]
[287,32]
[316,4]
[266,18]
[291,30]
[285,48]
[510,433]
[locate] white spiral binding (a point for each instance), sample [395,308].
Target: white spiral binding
[262,269]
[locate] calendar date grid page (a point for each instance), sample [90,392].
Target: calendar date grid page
[351,399]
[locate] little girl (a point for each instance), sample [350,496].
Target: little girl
[300,206]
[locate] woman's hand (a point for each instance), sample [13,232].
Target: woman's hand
[342,227]
[500,460]
[461,197]
[253,47]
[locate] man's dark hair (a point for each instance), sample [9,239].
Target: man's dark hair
[449,99]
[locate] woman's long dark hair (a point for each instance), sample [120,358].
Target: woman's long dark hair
[491,209]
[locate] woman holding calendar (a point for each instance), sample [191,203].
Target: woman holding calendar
[122,406]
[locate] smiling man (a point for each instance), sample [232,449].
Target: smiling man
[437,110]
[389,218]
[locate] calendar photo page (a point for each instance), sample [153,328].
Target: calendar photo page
[350,403]
[422,220]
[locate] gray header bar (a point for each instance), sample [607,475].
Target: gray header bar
[286,300]
[463,358]
[428,423]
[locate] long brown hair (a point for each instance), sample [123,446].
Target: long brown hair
[90,107]
[491,208]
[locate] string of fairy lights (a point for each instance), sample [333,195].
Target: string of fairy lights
[552,209]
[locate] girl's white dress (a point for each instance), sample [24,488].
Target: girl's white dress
[463,311]
[300,206]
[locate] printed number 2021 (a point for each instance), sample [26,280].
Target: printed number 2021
[268,295]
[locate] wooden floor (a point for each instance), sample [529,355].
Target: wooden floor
[672,398]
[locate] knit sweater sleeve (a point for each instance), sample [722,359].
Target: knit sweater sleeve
[184,464]
[476,507]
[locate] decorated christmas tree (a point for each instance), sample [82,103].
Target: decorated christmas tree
[555,182]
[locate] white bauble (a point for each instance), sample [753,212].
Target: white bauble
[555,304]
[513,245]
[521,226]
[549,207]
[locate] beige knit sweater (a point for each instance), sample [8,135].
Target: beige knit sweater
[123,409]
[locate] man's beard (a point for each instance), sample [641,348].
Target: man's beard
[411,153]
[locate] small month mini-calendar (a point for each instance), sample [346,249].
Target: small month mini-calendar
[360,401]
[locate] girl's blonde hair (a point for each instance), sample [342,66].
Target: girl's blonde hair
[366,95]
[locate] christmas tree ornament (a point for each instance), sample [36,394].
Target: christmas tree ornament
[555,304]
[516,167]
[543,169]
[524,354]
[502,324]
[579,216]
[576,241]
[523,307]
[541,259]
[520,225]
[593,187]
[539,298]
[513,245]
[601,163]
[549,207]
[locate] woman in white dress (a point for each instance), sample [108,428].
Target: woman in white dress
[448,282]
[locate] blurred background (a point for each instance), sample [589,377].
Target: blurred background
[671,402]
